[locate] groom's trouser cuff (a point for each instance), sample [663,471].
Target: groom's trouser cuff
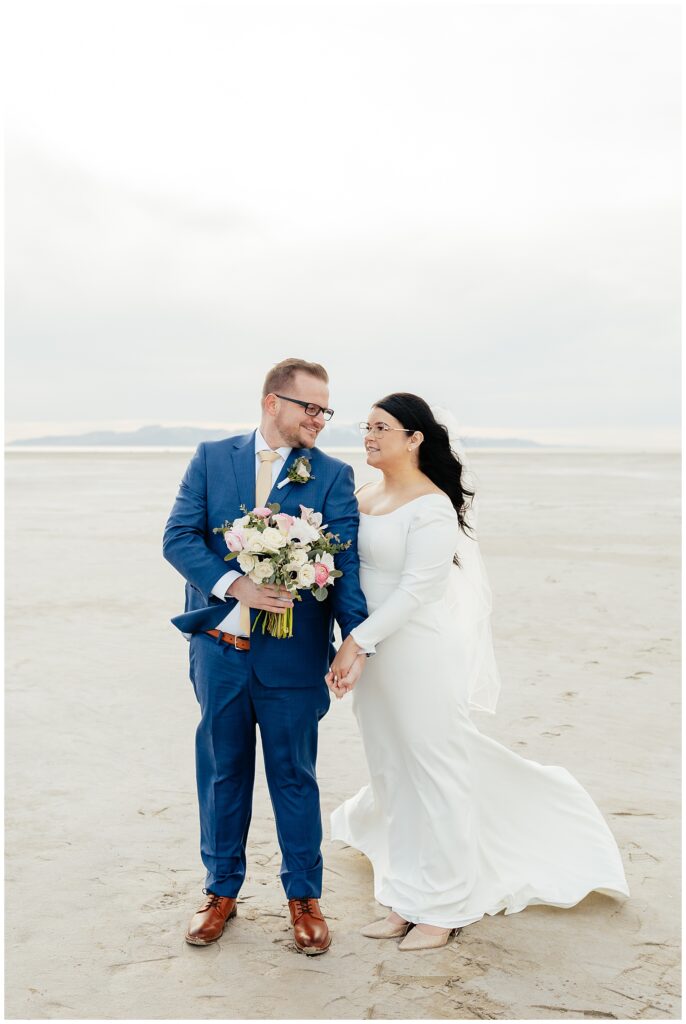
[299,884]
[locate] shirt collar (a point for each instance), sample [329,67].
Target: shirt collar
[261,446]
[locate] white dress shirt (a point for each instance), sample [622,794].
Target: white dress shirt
[232,622]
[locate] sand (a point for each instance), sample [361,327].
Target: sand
[103,868]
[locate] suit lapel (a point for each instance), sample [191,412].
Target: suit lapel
[279,495]
[244,468]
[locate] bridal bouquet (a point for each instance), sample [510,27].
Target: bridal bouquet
[290,551]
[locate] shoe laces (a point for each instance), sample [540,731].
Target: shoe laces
[212,900]
[304,907]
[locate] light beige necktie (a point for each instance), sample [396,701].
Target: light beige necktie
[263,486]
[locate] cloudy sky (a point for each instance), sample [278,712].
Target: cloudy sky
[477,203]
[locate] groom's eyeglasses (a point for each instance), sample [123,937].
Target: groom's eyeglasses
[310,408]
[378,430]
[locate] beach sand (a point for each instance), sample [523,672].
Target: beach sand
[103,869]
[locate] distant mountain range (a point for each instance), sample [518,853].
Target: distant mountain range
[343,436]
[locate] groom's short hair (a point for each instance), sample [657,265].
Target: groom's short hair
[281,375]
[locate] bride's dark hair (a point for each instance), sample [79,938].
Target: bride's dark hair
[436,458]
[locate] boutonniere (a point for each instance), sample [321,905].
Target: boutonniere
[299,472]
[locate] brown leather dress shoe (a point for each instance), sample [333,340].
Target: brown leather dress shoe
[208,923]
[310,930]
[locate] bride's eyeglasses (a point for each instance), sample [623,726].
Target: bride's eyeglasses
[378,430]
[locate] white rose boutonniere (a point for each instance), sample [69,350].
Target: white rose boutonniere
[298,473]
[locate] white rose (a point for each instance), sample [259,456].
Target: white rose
[262,571]
[241,521]
[246,562]
[306,575]
[298,557]
[272,539]
[253,542]
[303,471]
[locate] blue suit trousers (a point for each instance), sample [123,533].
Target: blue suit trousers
[233,702]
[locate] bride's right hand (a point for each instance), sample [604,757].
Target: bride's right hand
[346,657]
[342,684]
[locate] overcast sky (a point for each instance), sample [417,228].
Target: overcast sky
[476,203]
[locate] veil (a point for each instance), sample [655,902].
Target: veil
[469,598]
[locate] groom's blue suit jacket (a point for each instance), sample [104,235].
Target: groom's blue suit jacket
[219,479]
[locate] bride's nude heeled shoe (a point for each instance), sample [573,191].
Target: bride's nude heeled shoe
[423,940]
[385,930]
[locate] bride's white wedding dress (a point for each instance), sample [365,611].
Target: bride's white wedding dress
[455,825]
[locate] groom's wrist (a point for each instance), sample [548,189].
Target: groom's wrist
[224,583]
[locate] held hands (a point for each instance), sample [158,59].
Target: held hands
[348,664]
[346,668]
[347,683]
[265,596]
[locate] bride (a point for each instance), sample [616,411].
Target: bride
[456,826]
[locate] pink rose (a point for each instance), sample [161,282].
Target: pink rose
[233,541]
[321,574]
[262,512]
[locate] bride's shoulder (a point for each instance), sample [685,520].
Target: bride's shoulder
[363,487]
[426,488]
[430,488]
[432,506]
[437,499]
[364,493]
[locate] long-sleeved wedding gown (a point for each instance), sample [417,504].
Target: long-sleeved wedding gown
[456,825]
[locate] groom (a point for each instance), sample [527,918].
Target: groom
[243,679]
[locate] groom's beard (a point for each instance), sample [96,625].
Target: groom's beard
[301,438]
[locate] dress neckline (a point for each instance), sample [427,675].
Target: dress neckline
[382,515]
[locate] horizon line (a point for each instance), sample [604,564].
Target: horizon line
[614,438]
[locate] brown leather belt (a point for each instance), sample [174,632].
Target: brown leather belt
[241,643]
